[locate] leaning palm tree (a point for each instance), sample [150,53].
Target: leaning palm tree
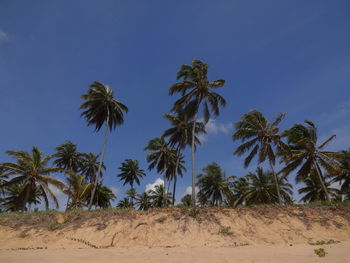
[197,96]
[89,166]
[308,155]
[32,170]
[131,172]
[313,190]
[260,137]
[160,157]
[143,201]
[262,188]
[100,108]
[180,136]
[214,186]
[80,190]
[68,158]
[159,196]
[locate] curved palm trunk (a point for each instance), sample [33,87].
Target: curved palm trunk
[319,173]
[277,184]
[165,192]
[193,197]
[100,165]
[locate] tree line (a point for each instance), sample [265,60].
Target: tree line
[325,175]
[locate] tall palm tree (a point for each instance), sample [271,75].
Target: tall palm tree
[68,158]
[103,196]
[131,172]
[306,154]
[180,136]
[262,188]
[89,166]
[313,190]
[80,190]
[159,196]
[143,201]
[131,194]
[160,157]
[197,96]
[100,108]
[33,172]
[260,137]
[213,185]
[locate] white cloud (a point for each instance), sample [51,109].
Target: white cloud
[214,128]
[3,36]
[61,197]
[158,181]
[189,190]
[115,190]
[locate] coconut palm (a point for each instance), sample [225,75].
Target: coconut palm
[80,190]
[262,138]
[262,188]
[305,154]
[180,136]
[68,158]
[213,185]
[124,203]
[158,194]
[143,201]
[100,108]
[131,172]
[197,96]
[344,175]
[33,171]
[186,200]
[103,196]
[14,197]
[3,180]
[240,188]
[131,194]
[89,166]
[160,157]
[313,190]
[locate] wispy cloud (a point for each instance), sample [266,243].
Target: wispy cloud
[3,36]
[213,128]
[189,190]
[158,181]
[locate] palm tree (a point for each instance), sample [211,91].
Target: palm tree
[262,188]
[306,154]
[197,96]
[143,201]
[160,157]
[80,190]
[180,135]
[124,203]
[68,158]
[3,180]
[263,140]
[103,196]
[14,197]
[131,172]
[240,188]
[186,200]
[313,190]
[213,185]
[344,176]
[131,194]
[89,166]
[159,196]
[33,172]
[101,108]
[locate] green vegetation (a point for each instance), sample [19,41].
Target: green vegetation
[32,179]
[321,252]
[324,242]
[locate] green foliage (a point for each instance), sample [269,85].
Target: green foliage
[324,242]
[54,226]
[321,252]
[130,172]
[186,201]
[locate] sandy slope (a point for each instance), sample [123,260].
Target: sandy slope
[338,253]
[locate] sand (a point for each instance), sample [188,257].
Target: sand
[337,253]
[267,234]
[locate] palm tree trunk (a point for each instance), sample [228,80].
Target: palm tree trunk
[319,173]
[276,182]
[176,169]
[101,162]
[165,192]
[26,199]
[68,198]
[193,197]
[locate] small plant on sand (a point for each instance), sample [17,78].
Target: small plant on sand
[225,231]
[320,252]
[194,213]
[324,242]
[54,226]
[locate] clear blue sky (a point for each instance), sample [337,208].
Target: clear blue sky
[276,56]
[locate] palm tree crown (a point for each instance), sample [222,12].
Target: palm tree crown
[67,156]
[131,172]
